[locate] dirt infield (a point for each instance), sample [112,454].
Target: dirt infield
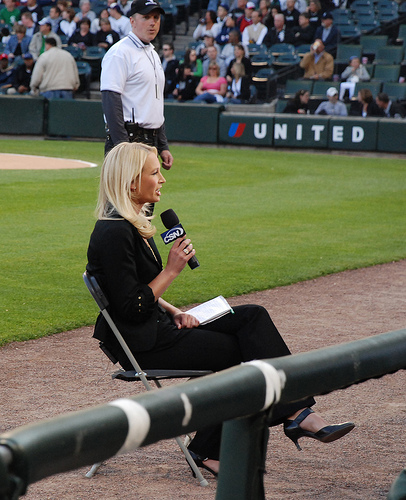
[31,162]
[67,372]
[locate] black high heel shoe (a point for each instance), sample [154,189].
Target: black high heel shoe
[327,434]
[199,461]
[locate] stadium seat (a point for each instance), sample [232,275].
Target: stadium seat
[401,37]
[371,43]
[320,88]
[254,49]
[262,82]
[387,72]
[345,51]
[286,60]
[350,31]
[396,91]
[361,3]
[374,87]
[293,86]
[387,16]
[76,52]
[261,61]
[390,54]
[280,105]
[281,48]
[368,26]
[138,374]
[85,73]
[301,50]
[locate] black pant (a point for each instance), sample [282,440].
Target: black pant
[144,138]
[247,334]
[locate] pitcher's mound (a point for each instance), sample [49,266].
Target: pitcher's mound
[28,162]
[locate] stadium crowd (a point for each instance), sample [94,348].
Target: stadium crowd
[236,44]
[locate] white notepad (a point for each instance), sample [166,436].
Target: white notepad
[211,310]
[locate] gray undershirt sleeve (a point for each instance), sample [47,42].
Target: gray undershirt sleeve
[162,140]
[113,111]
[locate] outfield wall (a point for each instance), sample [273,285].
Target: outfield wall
[208,123]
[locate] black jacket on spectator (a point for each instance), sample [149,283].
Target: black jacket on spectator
[302,36]
[333,39]
[273,36]
[88,40]
[22,76]
[372,110]
[170,76]
[247,66]
[109,37]
[187,88]
[291,18]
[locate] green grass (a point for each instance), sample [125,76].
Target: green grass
[258,219]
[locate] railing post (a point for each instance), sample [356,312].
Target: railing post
[242,458]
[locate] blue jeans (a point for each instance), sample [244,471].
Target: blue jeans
[58,94]
[206,97]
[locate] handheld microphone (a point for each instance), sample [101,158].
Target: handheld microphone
[175,230]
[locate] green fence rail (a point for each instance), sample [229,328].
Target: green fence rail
[33,452]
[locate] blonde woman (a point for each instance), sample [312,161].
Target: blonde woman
[124,259]
[213,87]
[239,88]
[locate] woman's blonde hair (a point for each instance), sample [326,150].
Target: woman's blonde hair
[121,170]
[239,69]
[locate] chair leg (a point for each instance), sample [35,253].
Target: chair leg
[192,463]
[93,470]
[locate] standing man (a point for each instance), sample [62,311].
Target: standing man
[55,73]
[132,84]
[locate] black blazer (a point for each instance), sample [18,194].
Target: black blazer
[123,264]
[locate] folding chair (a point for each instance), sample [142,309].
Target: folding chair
[138,374]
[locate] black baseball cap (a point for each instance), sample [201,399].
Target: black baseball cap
[144,7]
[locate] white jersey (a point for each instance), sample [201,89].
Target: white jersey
[134,70]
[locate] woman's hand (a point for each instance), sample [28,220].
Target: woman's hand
[185,320]
[179,254]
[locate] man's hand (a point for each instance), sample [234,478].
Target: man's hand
[167,159]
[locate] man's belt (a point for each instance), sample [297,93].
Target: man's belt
[135,132]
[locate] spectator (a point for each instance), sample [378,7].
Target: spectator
[255,32]
[54,18]
[239,88]
[304,33]
[35,10]
[291,15]
[95,26]
[30,27]
[333,106]
[317,64]
[315,13]
[211,88]
[10,14]
[67,26]
[82,37]
[237,8]
[85,12]
[264,10]
[195,64]
[299,104]
[4,34]
[355,72]
[37,44]
[6,74]
[186,84]
[227,54]
[222,13]
[55,73]
[208,41]
[278,34]
[22,76]
[125,6]
[239,56]
[328,33]
[106,37]
[17,44]
[170,65]
[246,20]
[228,25]
[390,109]
[365,105]
[213,56]
[119,23]
[208,23]
[63,5]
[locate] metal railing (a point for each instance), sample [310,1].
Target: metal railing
[241,396]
